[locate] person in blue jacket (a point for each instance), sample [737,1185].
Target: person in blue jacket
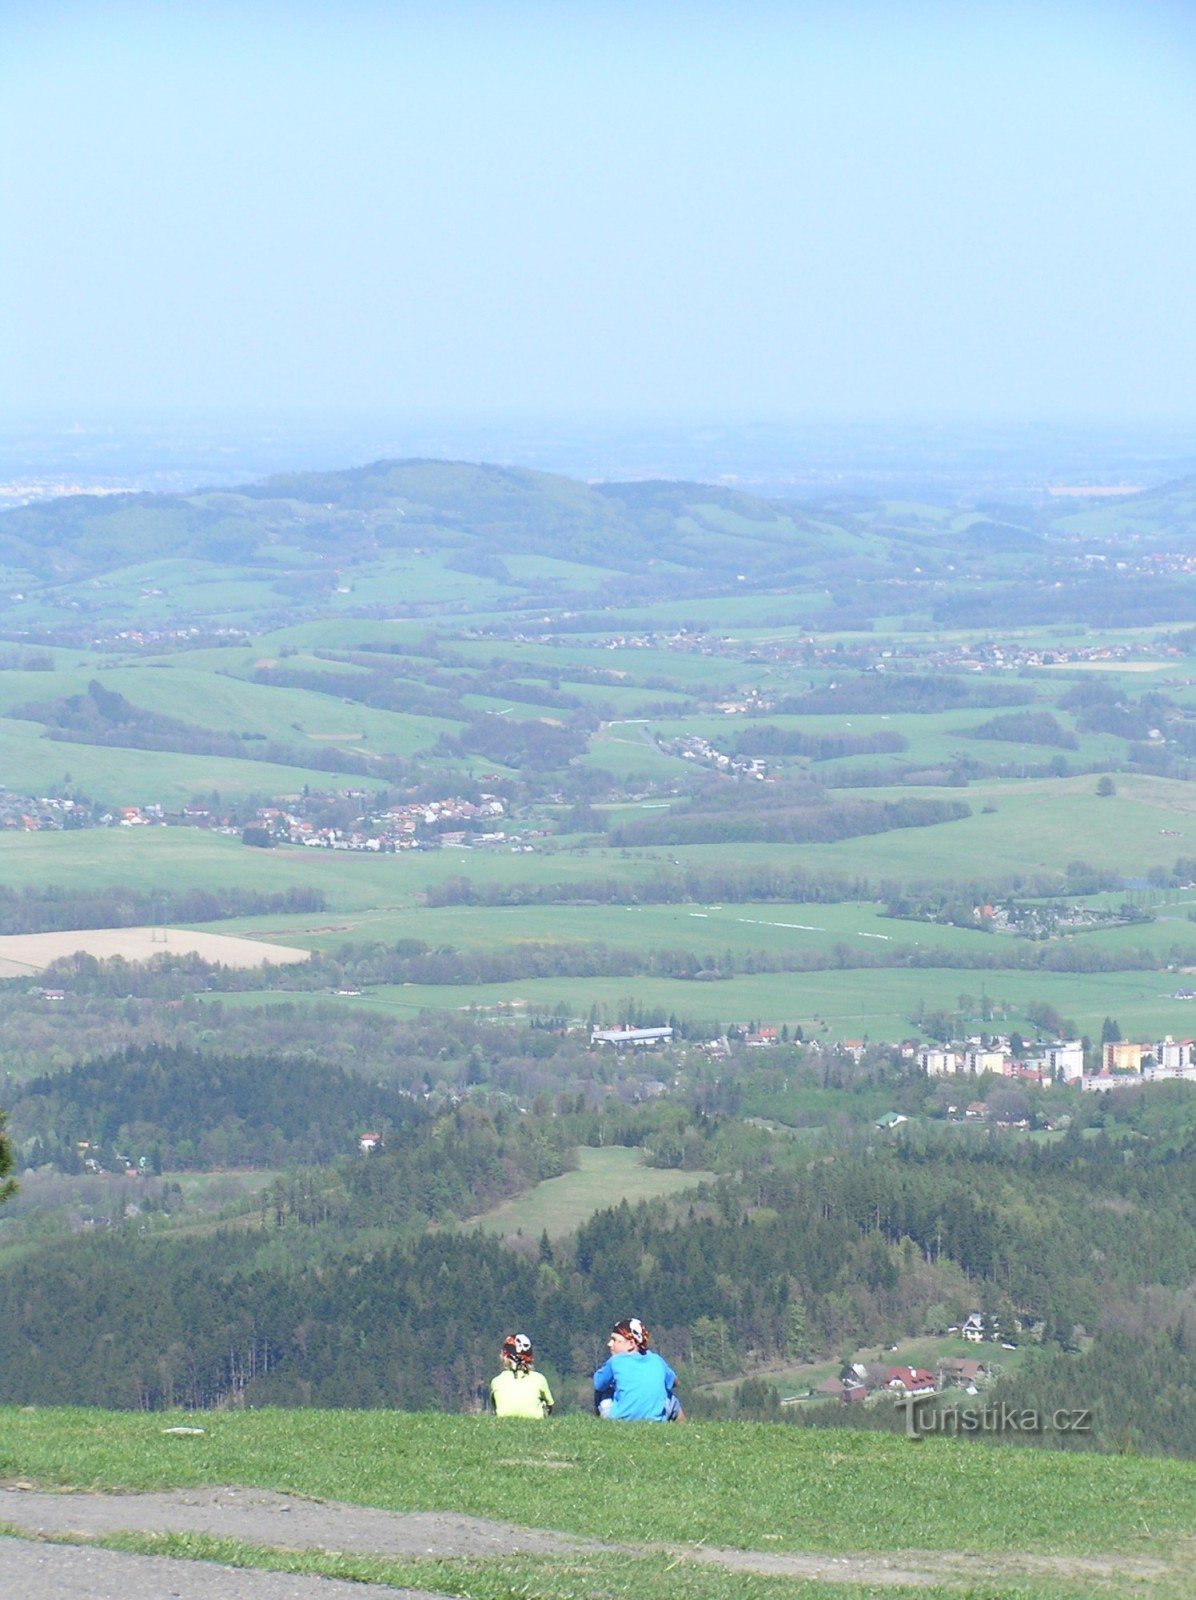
[635,1384]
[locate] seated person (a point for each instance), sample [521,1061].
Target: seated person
[635,1384]
[519,1390]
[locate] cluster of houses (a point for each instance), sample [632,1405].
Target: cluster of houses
[1122,1065]
[859,1382]
[413,826]
[416,826]
[1054,1061]
[23,813]
[692,747]
[1149,564]
[987,656]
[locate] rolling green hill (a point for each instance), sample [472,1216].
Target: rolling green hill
[294,530]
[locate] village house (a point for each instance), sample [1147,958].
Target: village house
[850,1390]
[961,1372]
[910,1380]
[890,1120]
[762,1036]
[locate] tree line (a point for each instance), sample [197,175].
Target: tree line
[52,908]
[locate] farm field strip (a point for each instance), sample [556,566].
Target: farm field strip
[855,1004]
[25,953]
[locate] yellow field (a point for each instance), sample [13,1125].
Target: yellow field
[24,953]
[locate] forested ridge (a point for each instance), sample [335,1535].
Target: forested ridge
[783,1256]
[192,1109]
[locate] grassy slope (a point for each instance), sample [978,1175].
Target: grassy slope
[741,1485]
[115,776]
[602,1178]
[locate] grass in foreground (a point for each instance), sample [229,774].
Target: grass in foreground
[603,1577]
[738,1485]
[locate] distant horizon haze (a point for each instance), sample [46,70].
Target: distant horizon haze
[915,211]
[800,459]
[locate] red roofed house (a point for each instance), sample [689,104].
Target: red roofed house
[910,1380]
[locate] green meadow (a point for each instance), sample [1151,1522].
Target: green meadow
[856,1004]
[602,1177]
[115,776]
[763,1487]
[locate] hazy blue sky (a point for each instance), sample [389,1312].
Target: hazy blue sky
[660,209]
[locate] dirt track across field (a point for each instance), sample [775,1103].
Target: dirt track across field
[288,1522]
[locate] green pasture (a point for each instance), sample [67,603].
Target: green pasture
[228,704]
[234,660]
[539,572]
[619,699]
[935,738]
[39,607]
[859,1003]
[1036,826]
[736,1485]
[625,751]
[156,594]
[766,609]
[190,858]
[18,688]
[353,881]
[406,579]
[30,763]
[689,669]
[499,706]
[339,633]
[739,928]
[557,1206]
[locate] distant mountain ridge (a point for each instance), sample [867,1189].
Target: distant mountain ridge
[460,508]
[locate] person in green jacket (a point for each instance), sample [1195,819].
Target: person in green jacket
[519,1390]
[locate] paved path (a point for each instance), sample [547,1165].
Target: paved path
[283,1522]
[37,1571]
